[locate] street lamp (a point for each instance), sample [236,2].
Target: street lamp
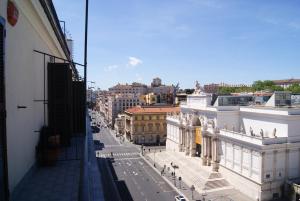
[154,157]
[192,189]
[179,179]
[204,195]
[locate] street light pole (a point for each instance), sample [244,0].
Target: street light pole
[85,58]
[154,157]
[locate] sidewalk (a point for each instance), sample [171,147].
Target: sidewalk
[210,184]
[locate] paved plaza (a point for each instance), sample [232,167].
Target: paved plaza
[206,182]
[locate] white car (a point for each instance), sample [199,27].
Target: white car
[180,198]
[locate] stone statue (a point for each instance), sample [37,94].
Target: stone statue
[274,133]
[197,88]
[261,133]
[242,129]
[251,131]
[213,123]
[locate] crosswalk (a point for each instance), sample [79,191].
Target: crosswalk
[119,154]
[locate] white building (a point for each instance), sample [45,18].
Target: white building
[256,148]
[134,88]
[117,104]
[25,27]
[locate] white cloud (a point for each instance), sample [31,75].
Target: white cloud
[110,68]
[133,62]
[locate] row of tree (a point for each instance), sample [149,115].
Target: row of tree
[259,86]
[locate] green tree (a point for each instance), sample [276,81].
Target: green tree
[266,85]
[294,88]
[226,90]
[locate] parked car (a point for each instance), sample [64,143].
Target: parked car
[180,198]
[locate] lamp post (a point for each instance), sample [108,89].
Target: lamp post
[192,189]
[154,157]
[85,57]
[179,179]
[204,195]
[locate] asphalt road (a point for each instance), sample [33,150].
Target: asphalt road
[131,175]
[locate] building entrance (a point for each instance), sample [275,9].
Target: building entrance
[198,150]
[198,141]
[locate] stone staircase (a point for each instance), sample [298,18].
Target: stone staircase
[192,171]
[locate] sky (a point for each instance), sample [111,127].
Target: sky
[181,41]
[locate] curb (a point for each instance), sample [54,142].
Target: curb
[164,178]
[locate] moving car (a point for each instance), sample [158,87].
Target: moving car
[95,129]
[180,198]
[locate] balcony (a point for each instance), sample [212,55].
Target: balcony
[255,140]
[71,177]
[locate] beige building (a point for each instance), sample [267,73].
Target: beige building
[147,125]
[134,88]
[286,83]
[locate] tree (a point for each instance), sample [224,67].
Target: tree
[294,88]
[226,90]
[266,85]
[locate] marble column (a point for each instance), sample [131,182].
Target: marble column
[187,147]
[180,140]
[209,151]
[215,157]
[204,150]
[192,142]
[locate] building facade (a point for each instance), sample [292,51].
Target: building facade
[286,83]
[25,28]
[117,104]
[134,88]
[147,125]
[256,148]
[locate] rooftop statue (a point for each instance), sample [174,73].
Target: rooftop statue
[198,89]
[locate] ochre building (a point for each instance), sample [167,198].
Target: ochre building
[147,125]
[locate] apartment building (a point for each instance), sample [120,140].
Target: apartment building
[147,125]
[134,88]
[118,103]
[286,82]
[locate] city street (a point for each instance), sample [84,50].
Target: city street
[133,177]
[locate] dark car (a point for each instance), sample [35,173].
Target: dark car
[95,129]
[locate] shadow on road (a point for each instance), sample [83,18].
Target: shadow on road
[114,189]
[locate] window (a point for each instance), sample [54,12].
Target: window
[150,127]
[157,127]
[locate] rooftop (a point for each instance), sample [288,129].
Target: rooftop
[161,109]
[287,81]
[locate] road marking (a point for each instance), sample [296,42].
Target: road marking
[150,175]
[123,159]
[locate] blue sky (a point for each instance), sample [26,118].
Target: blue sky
[232,41]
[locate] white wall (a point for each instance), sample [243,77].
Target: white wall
[24,84]
[266,122]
